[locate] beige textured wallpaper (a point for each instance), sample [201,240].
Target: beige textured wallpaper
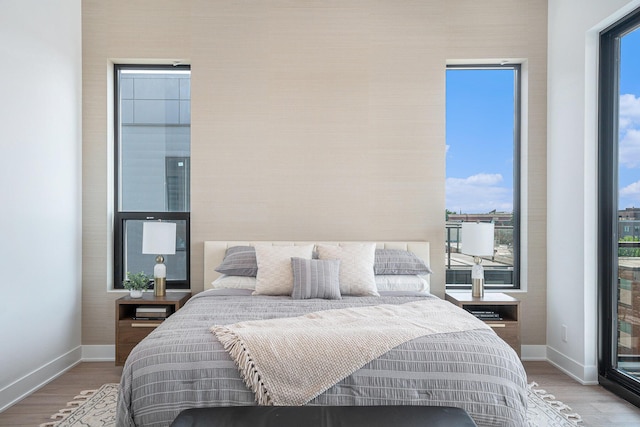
[311,120]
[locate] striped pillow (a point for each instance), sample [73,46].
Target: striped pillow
[239,261]
[398,261]
[314,278]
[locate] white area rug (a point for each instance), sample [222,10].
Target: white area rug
[544,410]
[91,408]
[97,408]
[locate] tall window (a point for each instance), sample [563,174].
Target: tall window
[483,174]
[619,208]
[152,166]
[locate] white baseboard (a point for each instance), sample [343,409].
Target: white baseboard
[98,353]
[585,375]
[31,382]
[533,352]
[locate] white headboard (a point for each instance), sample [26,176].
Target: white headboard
[215,250]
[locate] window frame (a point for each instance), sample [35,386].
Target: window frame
[517,169]
[120,217]
[609,376]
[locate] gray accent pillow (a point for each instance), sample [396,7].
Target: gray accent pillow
[398,261]
[239,261]
[315,278]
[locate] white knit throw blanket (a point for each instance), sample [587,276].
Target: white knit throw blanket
[290,361]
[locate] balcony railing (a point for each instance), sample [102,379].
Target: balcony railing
[628,305]
[498,269]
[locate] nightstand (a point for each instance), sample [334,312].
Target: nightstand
[129,330]
[505,308]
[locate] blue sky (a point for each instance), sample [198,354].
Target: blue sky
[629,124]
[479,140]
[479,128]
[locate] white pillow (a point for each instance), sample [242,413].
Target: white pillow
[401,282]
[356,266]
[275,275]
[234,282]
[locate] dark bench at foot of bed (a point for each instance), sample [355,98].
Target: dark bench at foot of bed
[324,416]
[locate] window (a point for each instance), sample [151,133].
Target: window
[619,216]
[483,173]
[152,166]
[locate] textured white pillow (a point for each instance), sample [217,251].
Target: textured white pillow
[401,282]
[275,276]
[234,282]
[356,266]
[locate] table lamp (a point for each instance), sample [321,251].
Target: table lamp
[477,241]
[159,238]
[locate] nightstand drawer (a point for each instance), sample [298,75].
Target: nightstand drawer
[508,331]
[130,331]
[140,324]
[122,351]
[133,331]
[500,311]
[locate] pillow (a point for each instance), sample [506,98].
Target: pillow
[241,292]
[401,282]
[234,282]
[356,267]
[239,261]
[275,276]
[398,261]
[314,278]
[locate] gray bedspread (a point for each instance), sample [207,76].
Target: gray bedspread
[182,365]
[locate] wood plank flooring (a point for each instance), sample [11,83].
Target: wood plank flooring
[598,407]
[37,408]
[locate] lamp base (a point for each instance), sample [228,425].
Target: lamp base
[477,288]
[160,286]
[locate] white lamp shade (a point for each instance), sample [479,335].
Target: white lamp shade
[159,238]
[477,238]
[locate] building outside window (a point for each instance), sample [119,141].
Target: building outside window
[152,166]
[482,173]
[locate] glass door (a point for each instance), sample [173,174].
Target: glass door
[628,319]
[619,199]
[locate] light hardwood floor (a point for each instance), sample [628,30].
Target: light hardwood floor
[36,408]
[598,407]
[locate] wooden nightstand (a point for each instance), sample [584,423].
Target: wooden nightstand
[506,307]
[130,331]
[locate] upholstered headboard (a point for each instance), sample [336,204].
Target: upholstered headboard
[214,252]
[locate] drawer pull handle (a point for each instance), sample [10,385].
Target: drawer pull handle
[498,325]
[145,325]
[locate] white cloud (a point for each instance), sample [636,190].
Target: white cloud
[630,195]
[631,190]
[629,113]
[629,131]
[479,193]
[479,179]
[629,154]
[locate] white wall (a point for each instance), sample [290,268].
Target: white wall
[572,176]
[40,217]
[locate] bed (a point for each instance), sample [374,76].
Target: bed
[183,364]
